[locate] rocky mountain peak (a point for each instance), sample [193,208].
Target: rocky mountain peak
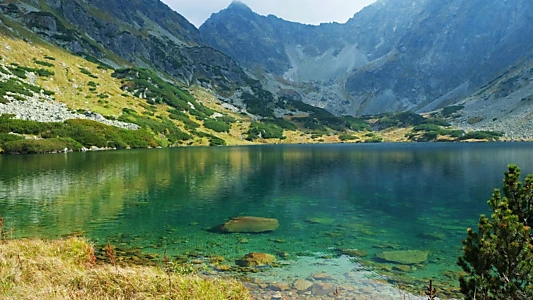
[239,5]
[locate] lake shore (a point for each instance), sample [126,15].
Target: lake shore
[70,269]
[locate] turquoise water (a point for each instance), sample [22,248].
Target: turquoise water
[372,198]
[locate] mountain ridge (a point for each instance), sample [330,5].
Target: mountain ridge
[96,61]
[391,49]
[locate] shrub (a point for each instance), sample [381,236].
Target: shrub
[45,73]
[44,63]
[347,137]
[357,124]
[265,131]
[216,125]
[482,135]
[6,137]
[282,123]
[26,146]
[448,111]
[498,258]
[179,116]
[216,141]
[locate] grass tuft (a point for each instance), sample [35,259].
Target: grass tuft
[66,269]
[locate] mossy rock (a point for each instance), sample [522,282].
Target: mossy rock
[247,225]
[406,257]
[402,268]
[256,259]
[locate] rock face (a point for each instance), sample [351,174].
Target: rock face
[394,55]
[407,257]
[248,225]
[144,32]
[256,259]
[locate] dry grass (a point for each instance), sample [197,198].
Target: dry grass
[36,269]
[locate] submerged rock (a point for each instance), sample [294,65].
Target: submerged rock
[353,252]
[322,289]
[302,284]
[321,221]
[256,259]
[247,225]
[407,257]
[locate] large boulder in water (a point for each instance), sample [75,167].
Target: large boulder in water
[247,225]
[407,257]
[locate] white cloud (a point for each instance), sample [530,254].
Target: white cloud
[303,11]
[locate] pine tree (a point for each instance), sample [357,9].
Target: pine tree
[498,259]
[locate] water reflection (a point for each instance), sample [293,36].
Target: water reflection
[326,197]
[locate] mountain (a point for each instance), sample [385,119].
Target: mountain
[134,74]
[394,55]
[145,33]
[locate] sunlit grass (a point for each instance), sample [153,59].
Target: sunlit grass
[65,269]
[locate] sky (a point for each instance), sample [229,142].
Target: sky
[302,11]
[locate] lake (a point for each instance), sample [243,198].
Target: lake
[373,198]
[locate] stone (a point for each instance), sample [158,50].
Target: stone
[402,268]
[279,286]
[322,221]
[406,257]
[216,259]
[322,276]
[353,252]
[247,225]
[302,284]
[322,289]
[255,259]
[223,268]
[432,236]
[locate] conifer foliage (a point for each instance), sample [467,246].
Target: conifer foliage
[498,259]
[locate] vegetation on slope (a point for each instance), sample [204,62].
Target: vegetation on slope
[71,134]
[170,114]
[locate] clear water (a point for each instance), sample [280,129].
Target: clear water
[326,197]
